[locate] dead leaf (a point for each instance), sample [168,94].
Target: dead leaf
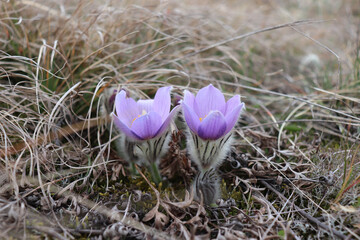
[160,219]
[348,209]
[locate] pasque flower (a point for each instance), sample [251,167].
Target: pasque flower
[210,120]
[208,115]
[144,119]
[145,124]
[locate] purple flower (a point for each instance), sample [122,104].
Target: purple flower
[144,119]
[208,115]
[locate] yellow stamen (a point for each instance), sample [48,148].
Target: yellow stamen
[134,119]
[202,118]
[142,114]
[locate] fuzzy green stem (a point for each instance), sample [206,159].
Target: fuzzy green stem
[155,173]
[133,169]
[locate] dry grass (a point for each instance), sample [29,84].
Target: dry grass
[293,172]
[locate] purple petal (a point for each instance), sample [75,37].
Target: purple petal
[162,102]
[213,126]
[232,103]
[232,117]
[189,99]
[126,108]
[191,118]
[147,125]
[167,121]
[146,105]
[209,99]
[124,129]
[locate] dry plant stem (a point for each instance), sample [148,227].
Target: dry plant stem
[45,224]
[65,131]
[325,47]
[305,214]
[292,24]
[104,210]
[347,175]
[291,97]
[147,180]
[267,159]
[50,231]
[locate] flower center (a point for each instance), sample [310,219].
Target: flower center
[142,114]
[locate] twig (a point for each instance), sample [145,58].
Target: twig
[305,214]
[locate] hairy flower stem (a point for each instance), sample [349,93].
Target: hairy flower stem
[125,149]
[150,151]
[208,154]
[207,186]
[132,169]
[155,173]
